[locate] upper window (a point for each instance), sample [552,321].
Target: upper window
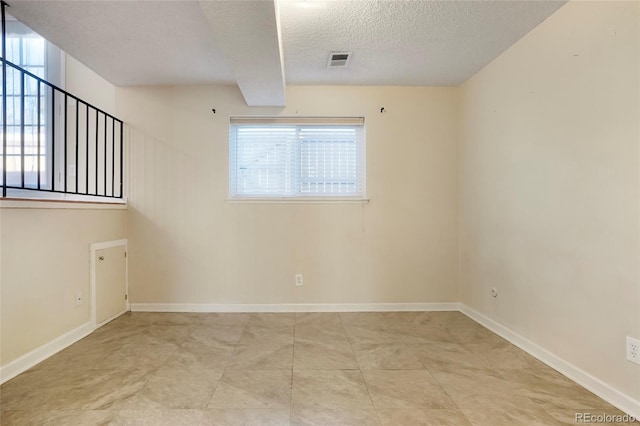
[296,158]
[57,145]
[29,112]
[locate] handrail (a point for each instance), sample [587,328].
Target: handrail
[53,86]
[101,176]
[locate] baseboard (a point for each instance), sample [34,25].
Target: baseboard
[38,355]
[108,320]
[603,390]
[293,307]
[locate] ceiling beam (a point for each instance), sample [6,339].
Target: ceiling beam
[248,33]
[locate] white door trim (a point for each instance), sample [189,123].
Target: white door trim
[92,249]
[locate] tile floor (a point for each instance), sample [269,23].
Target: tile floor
[409,368]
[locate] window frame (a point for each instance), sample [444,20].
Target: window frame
[53,71]
[297,195]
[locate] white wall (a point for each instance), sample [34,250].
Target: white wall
[550,188]
[188,245]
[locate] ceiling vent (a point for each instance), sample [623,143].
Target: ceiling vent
[339,59]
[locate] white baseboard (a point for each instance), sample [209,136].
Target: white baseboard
[38,355]
[108,320]
[293,307]
[603,390]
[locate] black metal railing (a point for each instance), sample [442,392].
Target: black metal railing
[53,141]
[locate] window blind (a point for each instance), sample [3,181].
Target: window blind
[298,157]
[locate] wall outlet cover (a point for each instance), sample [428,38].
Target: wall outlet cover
[633,350]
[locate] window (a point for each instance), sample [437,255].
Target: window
[57,145]
[31,52]
[296,158]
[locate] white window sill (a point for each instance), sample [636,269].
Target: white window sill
[17,199]
[298,200]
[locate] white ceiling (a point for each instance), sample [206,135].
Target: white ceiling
[260,45]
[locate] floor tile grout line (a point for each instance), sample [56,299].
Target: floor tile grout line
[375,409]
[412,350]
[236,345]
[441,386]
[224,368]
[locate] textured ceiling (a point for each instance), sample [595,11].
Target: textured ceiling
[131,42]
[432,43]
[394,42]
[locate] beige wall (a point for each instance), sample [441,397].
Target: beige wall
[45,261]
[189,245]
[89,86]
[45,252]
[550,188]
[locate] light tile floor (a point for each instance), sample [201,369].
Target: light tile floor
[409,368]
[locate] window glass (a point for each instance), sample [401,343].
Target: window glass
[296,160]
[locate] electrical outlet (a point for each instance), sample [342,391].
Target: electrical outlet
[78,298]
[299,281]
[633,350]
[494,292]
